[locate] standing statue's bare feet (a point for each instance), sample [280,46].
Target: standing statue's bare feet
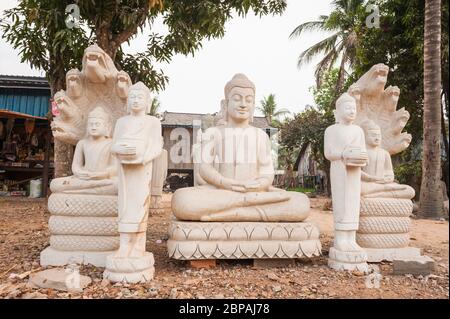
[138,246]
[122,252]
[124,247]
[345,240]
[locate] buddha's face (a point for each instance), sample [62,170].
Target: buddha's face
[373,137]
[96,127]
[241,104]
[137,101]
[347,111]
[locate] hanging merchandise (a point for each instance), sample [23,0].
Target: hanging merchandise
[34,140]
[2,131]
[9,128]
[29,127]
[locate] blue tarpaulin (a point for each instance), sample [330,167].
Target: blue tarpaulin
[26,95]
[34,105]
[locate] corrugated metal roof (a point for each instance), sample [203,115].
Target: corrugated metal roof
[24,82]
[35,105]
[29,95]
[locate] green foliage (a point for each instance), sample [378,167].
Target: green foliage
[309,126]
[343,22]
[325,95]
[286,157]
[38,29]
[407,171]
[398,43]
[140,68]
[155,107]
[306,127]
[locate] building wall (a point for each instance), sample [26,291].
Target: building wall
[178,151]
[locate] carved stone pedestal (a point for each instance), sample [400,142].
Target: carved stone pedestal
[130,270]
[340,260]
[390,254]
[242,240]
[384,229]
[83,229]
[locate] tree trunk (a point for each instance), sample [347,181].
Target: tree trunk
[109,41]
[341,77]
[431,201]
[63,152]
[104,41]
[327,171]
[326,168]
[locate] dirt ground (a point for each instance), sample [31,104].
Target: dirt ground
[24,234]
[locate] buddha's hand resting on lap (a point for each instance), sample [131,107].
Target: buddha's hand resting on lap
[375,179]
[99,175]
[388,179]
[92,175]
[83,175]
[247,186]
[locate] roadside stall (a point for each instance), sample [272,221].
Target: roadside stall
[26,151]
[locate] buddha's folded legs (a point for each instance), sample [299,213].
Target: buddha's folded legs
[207,204]
[74,185]
[391,190]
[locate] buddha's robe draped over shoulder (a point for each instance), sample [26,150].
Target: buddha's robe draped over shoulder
[345,179]
[237,153]
[143,132]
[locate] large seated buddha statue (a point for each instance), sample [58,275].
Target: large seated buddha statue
[236,170]
[93,166]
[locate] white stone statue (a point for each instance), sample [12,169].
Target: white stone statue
[378,175]
[137,141]
[83,206]
[93,166]
[234,212]
[97,84]
[345,149]
[237,170]
[385,205]
[159,175]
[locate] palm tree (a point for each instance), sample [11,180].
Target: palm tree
[154,107]
[430,190]
[269,109]
[341,44]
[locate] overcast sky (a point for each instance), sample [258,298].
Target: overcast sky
[258,47]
